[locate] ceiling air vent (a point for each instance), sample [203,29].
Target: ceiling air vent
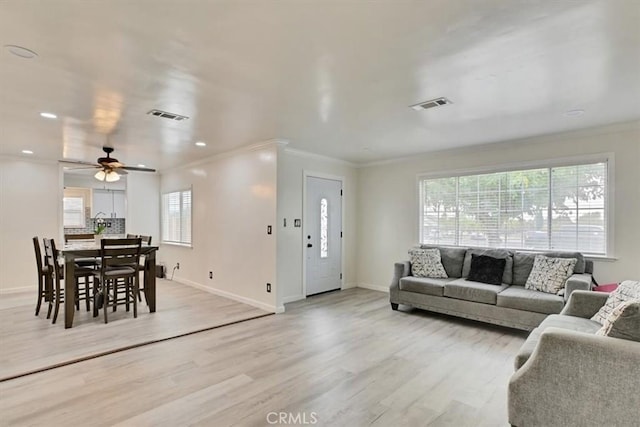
[167,115]
[438,102]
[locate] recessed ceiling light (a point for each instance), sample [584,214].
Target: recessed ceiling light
[48,115]
[142,166]
[573,113]
[27,152]
[20,51]
[201,144]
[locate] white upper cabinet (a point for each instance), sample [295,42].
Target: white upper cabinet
[110,202]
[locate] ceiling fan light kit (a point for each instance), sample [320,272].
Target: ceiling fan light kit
[108,176]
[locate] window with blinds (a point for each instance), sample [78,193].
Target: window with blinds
[176,217]
[550,208]
[73,212]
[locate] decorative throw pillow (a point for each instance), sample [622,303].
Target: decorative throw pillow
[427,263]
[623,322]
[628,290]
[549,274]
[486,269]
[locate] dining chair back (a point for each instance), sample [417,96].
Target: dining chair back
[119,269]
[56,277]
[84,236]
[145,239]
[44,291]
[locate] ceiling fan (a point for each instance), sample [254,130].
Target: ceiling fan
[110,168]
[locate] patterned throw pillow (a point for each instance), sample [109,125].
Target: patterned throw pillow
[623,322]
[550,274]
[427,263]
[628,290]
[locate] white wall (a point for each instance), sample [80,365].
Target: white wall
[234,200]
[291,166]
[388,201]
[30,200]
[143,205]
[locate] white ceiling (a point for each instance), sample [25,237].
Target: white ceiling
[332,77]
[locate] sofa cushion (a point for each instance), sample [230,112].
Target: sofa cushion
[424,285]
[627,290]
[550,274]
[486,269]
[426,263]
[520,298]
[623,322]
[452,259]
[473,291]
[572,323]
[523,263]
[495,253]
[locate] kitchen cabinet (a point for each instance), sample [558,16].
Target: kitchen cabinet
[110,202]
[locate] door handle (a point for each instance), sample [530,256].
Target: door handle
[309,245]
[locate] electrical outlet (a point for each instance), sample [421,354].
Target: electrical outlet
[177,266]
[269,287]
[211,275]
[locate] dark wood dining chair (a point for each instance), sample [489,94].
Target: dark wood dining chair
[87,237]
[44,291]
[146,240]
[119,271]
[56,281]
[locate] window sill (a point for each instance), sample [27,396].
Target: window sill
[184,245]
[602,258]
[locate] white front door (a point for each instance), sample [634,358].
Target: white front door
[323,235]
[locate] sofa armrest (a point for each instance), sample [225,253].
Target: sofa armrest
[577,282]
[567,371]
[400,270]
[584,304]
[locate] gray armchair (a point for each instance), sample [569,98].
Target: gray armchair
[576,378]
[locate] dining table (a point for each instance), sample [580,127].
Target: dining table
[72,251]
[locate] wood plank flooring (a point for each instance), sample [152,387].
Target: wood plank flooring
[29,342]
[343,359]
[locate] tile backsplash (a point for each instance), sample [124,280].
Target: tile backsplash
[114,225]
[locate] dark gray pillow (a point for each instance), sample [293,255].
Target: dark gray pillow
[486,269]
[507,277]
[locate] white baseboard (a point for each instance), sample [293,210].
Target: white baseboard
[18,290]
[287,300]
[378,288]
[225,294]
[349,285]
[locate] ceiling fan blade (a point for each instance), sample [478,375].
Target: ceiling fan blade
[78,162]
[82,168]
[136,168]
[120,171]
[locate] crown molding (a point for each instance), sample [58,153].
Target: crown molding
[226,154]
[310,155]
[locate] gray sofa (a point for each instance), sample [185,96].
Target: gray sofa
[509,304]
[567,376]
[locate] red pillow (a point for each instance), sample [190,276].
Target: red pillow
[609,287]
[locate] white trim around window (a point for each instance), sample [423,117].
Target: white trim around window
[177,217]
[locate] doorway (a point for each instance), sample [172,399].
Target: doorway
[322,234]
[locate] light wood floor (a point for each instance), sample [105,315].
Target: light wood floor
[29,342]
[344,356]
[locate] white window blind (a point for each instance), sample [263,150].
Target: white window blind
[559,208]
[176,217]
[73,212]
